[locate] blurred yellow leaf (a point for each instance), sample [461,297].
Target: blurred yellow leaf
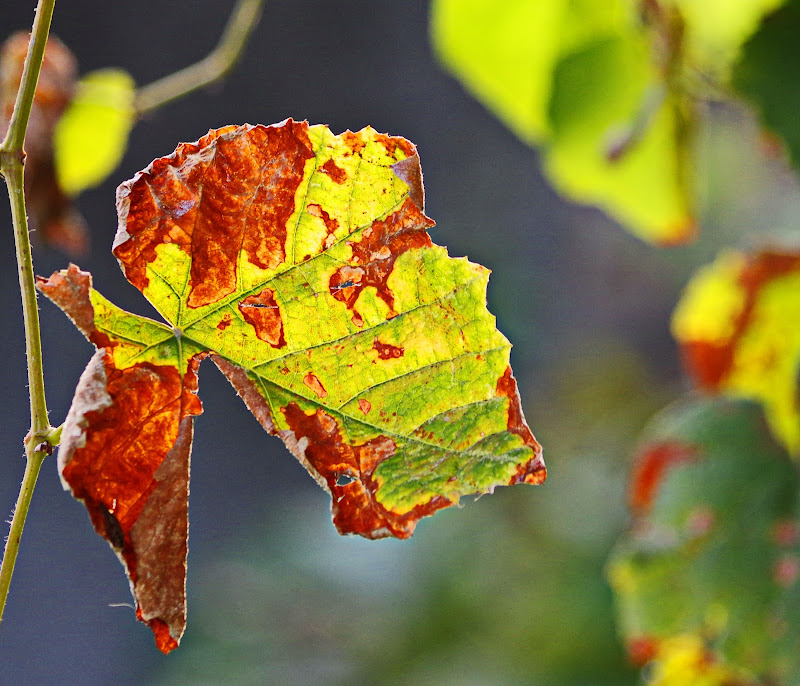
[737,327]
[684,661]
[92,135]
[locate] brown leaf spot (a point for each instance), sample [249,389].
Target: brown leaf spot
[353,141]
[533,471]
[224,323]
[650,469]
[401,231]
[700,521]
[261,311]
[365,406]
[355,509]
[785,533]
[641,650]
[232,190]
[337,174]
[315,385]
[786,570]
[387,351]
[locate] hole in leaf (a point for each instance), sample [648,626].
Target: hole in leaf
[345,480]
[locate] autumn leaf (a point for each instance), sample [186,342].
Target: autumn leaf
[300,262]
[736,324]
[711,565]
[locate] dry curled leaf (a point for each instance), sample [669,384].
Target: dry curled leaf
[301,263]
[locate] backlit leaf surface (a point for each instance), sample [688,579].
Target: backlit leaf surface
[577,78]
[737,326]
[608,90]
[92,135]
[300,262]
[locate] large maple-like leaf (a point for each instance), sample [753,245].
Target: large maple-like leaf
[300,262]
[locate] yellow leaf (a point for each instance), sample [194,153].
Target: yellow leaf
[92,135]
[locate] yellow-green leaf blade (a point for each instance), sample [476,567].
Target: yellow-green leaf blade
[91,136]
[301,261]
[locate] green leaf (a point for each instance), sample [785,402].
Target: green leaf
[599,93]
[713,551]
[300,262]
[717,29]
[577,78]
[92,135]
[766,75]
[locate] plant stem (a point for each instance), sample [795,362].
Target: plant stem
[38,442]
[212,67]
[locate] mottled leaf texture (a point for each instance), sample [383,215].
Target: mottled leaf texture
[300,262]
[737,327]
[710,567]
[51,214]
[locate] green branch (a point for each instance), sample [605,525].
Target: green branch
[212,67]
[39,442]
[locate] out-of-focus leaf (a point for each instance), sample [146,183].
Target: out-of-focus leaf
[737,327]
[685,660]
[715,554]
[51,214]
[489,46]
[598,93]
[300,261]
[580,79]
[91,136]
[607,88]
[767,74]
[716,30]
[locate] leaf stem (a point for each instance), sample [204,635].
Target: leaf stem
[38,443]
[212,67]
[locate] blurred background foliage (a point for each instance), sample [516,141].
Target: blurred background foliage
[632,106]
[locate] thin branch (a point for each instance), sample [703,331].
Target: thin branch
[214,66]
[12,157]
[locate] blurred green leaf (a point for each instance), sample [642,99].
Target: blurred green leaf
[713,549]
[92,135]
[767,75]
[580,78]
[607,88]
[716,29]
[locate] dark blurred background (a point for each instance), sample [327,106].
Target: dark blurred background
[506,590]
